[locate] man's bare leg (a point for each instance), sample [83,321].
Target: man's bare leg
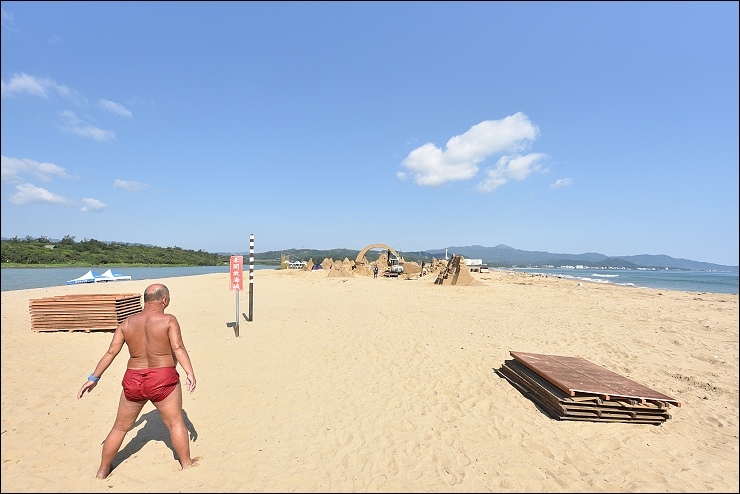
[170,409]
[128,412]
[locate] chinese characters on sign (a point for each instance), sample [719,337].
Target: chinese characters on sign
[236,281]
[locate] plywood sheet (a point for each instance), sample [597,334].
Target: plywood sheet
[576,376]
[85,312]
[571,388]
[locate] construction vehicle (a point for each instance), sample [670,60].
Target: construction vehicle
[394,268]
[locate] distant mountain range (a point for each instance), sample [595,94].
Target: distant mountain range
[505,255]
[499,256]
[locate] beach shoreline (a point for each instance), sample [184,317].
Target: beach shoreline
[349,383]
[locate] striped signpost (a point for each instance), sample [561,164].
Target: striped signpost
[236,281]
[251,274]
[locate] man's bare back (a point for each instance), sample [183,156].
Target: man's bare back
[152,338]
[155,345]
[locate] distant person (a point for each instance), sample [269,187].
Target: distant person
[422,269]
[155,348]
[375,271]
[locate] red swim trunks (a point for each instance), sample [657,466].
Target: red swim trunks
[154,384]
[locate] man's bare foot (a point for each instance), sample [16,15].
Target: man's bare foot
[103,473]
[193,463]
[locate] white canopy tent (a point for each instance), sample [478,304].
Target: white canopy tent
[88,277]
[111,276]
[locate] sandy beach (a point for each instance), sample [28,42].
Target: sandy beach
[355,384]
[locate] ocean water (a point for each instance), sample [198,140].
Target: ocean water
[25,278]
[687,281]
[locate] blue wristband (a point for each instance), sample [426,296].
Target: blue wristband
[93,378]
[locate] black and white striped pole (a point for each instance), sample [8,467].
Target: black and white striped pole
[251,274]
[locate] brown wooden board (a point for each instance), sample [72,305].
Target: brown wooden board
[83,312]
[609,419]
[86,297]
[558,408]
[546,402]
[575,375]
[559,405]
[542,385]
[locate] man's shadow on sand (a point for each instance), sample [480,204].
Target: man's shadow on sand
[153,430]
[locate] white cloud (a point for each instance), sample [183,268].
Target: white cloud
[511,168]
[561,182]
[7,18]
[35,86]
[429,165]
[12,169]
[29,193]
[115,108]
[92,205]
[81,128]
[129,185]
[432,166]
[21,83]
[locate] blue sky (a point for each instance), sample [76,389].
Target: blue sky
[570,127]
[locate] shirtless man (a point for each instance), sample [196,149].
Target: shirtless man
[155,348]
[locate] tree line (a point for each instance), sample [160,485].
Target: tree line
[43,251]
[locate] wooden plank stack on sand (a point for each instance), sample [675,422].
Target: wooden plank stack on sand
[572,388]
[89,312]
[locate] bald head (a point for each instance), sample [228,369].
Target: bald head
[156,292]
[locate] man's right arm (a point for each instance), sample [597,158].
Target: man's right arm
[113,350]
[180,352]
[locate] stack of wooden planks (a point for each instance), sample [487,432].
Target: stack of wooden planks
[572,388]
[89,312]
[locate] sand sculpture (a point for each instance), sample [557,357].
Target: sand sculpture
[361,261]
[452,272]
[456,273]
[342,269]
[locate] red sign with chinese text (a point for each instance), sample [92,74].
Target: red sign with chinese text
[236,280]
